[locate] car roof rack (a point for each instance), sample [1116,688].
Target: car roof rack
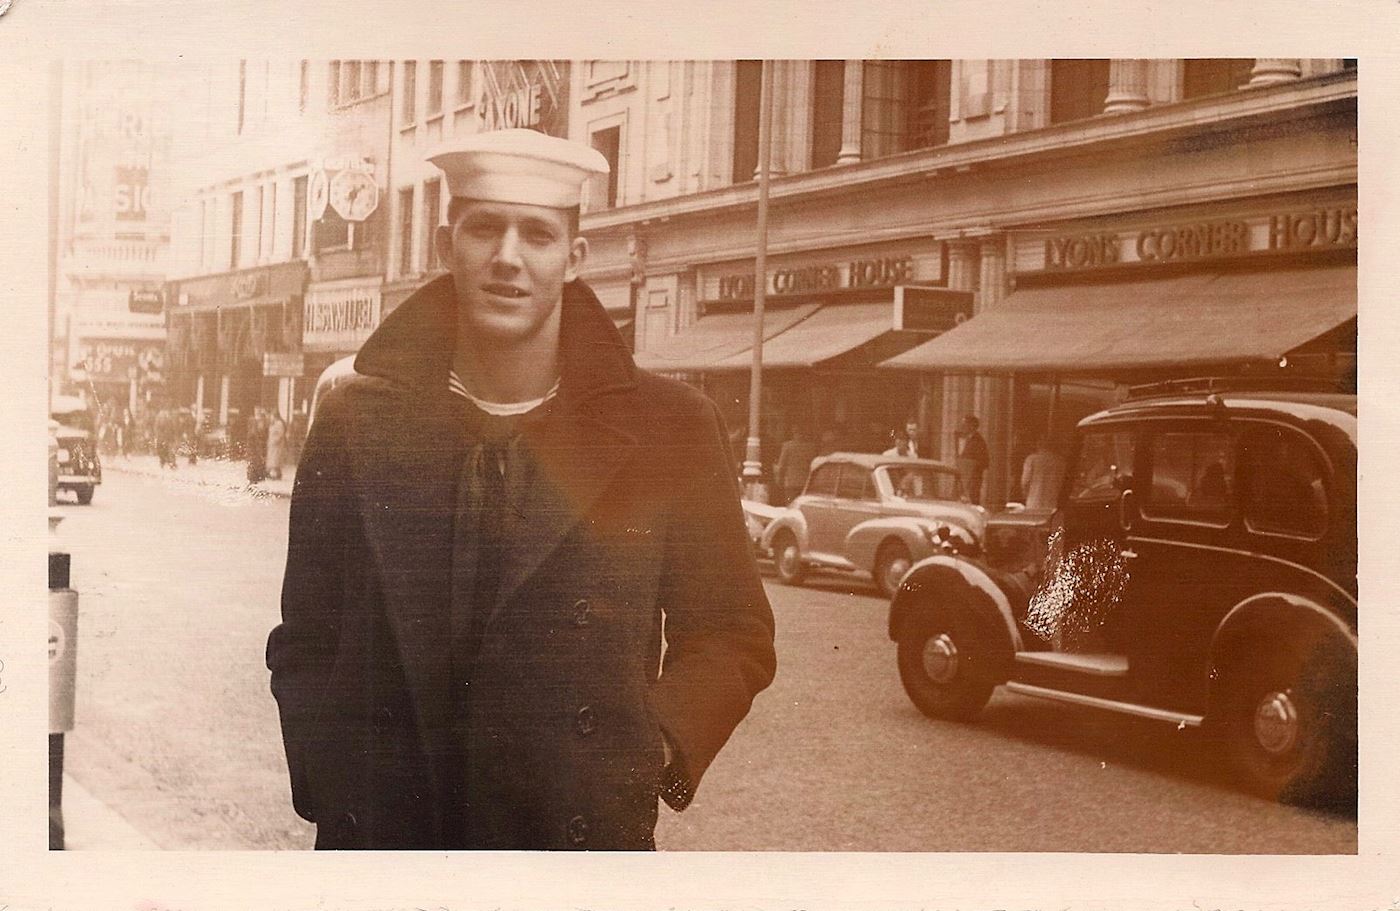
[1205,385]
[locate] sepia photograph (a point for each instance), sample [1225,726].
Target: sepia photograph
[766,455]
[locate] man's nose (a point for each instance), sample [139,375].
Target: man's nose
[508,251]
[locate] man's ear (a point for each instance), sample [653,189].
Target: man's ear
[442,242]
[578,253]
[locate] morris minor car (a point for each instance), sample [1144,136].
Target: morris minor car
[1200,569]
[870,514]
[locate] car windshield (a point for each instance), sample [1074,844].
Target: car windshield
[922,482]
[77,420]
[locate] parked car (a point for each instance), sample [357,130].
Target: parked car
[79,466]
[870,514]
[1200,570]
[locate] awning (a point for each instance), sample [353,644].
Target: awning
[717,337]
[1208,318]
[828,333]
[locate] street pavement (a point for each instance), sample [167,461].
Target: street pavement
[177,740]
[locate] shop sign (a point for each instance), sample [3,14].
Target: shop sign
[283,363]
[530,94]
[1322,228]
[145,301]
[268,285]
[118,361]
[339,317]
[852,275]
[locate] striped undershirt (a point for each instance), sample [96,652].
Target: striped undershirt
[499,409]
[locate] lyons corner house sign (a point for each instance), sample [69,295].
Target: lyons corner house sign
[874,272]
[1327,227]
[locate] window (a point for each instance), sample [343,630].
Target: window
[604,190]
[333,83]
[242,92]
[1193,477]
[823,480]
[1211,76]
[464,82]
[406,231]
[1284,482]
[330,232]
[748,82]
[350,81]
[236,231]
[369,78]
[270,230]
[1104,466]
[303,85]
[431,214]
[434,87]
[828,102]
[1078,89]
[203,233]
[855,483]
[904,106]
[259,215]
[410,92]
[299,217]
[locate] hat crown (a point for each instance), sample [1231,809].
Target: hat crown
[518,166]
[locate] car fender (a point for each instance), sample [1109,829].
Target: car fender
[789,520]
[864,540]
[962,581]
[1273,615]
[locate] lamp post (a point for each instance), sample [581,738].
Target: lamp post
[754,488]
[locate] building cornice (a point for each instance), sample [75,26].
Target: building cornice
[1231,112]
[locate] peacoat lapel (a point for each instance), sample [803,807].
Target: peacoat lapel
[411,446]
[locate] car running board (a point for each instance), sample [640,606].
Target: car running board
[1125,708]
[1098,665]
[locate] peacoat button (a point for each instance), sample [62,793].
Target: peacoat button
[581,608]
[586,721]
[578,830]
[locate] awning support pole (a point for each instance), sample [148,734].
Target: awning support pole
[754,488]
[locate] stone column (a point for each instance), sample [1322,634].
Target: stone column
[963,275]
[782,118]
[851,93]
[1127,87]
[1275,70]
[993,393]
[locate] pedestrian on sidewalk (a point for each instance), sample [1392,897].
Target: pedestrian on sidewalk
[257,446]
[794,461]
[488,524]
[276,445]
[973,459]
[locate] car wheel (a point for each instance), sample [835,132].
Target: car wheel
[891,563]
[787,557]
[84,493]
[945,664]
[1288,722]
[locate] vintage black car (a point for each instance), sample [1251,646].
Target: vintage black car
[1200,569]
[79,466]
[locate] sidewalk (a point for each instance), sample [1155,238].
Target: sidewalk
[211,472]
[91,825]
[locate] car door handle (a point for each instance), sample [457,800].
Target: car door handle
[1128,553]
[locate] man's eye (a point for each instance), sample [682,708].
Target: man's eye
[540,236]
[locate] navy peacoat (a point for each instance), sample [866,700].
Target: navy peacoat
[633,538]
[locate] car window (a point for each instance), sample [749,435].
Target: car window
[922,483]
[1284,482]
[823,480]
[1193,477]
[1104,465]
[855,483]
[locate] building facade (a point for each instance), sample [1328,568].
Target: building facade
[912,197]
[114,232]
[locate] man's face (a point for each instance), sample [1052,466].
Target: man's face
[510,263]
[911,431]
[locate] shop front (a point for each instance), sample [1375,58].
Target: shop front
[1265,289]
[337,317]
[220,331]
[830,317]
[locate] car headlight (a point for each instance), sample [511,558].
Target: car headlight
[64,455]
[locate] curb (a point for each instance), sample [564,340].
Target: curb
[255,490]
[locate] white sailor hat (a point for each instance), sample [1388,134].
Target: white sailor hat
[518,166]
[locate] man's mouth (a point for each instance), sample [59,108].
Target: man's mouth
[503,290]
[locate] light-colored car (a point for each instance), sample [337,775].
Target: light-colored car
[870,514]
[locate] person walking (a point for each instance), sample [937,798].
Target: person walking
[973,458]
[276,445]
[491,527]
[256,438]
[1042,473]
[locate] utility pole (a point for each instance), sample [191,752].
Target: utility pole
[754,488]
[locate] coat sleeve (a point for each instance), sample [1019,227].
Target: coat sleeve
[718,623]
[301,650]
